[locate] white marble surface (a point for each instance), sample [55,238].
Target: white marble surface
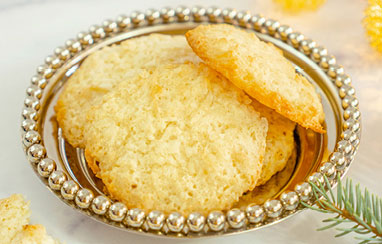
[30,30]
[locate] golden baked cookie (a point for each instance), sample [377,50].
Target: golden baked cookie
[259,69]
[280,142]
[274,185]
[105,68]
[14,214]
[177,138]
[14,219]
[33,234]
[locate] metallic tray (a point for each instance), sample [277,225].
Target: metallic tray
[64,170]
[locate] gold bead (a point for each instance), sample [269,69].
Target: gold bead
[273,208]
[216,220]
[236,218]
[255,213]
[57,179]
[69,189]
[84,198]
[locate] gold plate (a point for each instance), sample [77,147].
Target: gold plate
[64,169]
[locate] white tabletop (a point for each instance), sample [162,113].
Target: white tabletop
[30,30]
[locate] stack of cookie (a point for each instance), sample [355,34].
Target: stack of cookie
[186,124]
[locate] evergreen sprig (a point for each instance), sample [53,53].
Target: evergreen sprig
[350,205]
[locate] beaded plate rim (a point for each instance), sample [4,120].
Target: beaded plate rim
[195,225]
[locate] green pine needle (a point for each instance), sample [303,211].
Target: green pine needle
[339,194]
[330,189]
[350,206]
[343,233]
[329,226]
[359,199]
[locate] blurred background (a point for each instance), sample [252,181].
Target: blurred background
[31,29]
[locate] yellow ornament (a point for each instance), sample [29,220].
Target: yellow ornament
[373,23]
[300,5]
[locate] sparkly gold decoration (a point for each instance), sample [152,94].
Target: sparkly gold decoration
[373,23]
[300,5]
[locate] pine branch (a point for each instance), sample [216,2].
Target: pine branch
[350,206]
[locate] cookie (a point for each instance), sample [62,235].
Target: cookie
[272,187]
[105,68]
[178,138]
[261,70]
[33,234]
[279,144]
[14,214]
[14,219]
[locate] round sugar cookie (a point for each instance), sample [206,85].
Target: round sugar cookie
[260,69]
[280,144]
[177,138]
[105,68]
